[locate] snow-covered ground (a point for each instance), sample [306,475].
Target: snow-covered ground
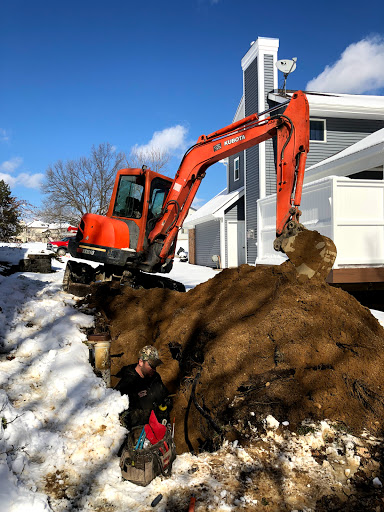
[379,315]
[191,275]
[13,253]
[60,430]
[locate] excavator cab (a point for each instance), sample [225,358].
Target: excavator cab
[121,237]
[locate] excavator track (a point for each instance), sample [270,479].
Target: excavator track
[78,278]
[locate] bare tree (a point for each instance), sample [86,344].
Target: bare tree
[155,158]
[104,165]
[57,214]
[76,187]
[81,186]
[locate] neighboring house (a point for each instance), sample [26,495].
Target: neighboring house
[37,231]
[219,225]
[337,122]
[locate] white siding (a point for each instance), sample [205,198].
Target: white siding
[350,212]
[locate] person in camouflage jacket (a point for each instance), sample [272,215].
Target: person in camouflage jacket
[145,389]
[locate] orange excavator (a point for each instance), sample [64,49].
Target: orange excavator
[139,232]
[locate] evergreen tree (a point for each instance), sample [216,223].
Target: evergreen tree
[9,214]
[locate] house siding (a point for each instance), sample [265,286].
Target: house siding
[341,133]
[252,189]
[270,167]
[251,88]
[234,185]
[207,238]
[252,163]
[251,197]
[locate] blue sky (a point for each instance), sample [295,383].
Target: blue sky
[78,73]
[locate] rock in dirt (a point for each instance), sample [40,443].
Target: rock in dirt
[250,342]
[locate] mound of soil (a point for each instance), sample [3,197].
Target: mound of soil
[252,342]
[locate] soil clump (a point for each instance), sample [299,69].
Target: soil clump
[248,343]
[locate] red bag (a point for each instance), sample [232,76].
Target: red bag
[154,430]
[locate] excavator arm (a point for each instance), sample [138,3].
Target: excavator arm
[292,132]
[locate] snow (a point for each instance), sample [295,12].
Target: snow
[60,430]
[350,101]
[13,253]
[38,224]
[46,225]
[53,405]
[379,315]
[271,423]
[191,275]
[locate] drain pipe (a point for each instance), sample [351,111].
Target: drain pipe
[100,358]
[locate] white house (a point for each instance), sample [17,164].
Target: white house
[38,231]
[346,140]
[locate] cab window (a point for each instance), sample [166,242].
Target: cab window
[129,197]
[159,191]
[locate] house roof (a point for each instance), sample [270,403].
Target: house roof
[367,153]
[338,105]
[240,112]
[46,225]
[214,209]
[38,224]
[260,46]
[63,225]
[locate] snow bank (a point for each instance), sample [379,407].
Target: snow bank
[63,426]
[190,275]
[379,315]
[13,253]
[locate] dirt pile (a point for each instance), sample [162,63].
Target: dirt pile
[252,342]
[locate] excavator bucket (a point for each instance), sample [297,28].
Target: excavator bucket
[311,253]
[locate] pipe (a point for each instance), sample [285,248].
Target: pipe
[102,350]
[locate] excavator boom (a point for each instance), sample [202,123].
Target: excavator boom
[292,132]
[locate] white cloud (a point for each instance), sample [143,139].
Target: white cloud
[24,179]
[198,202]
[9,166]
[168,140]
[10,180]
[360,69]
[4,137]
[30,180]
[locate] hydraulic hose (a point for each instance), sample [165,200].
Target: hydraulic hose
[204,413]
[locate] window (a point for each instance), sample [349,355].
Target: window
[159,191]
[236,169]
[317,131]
[129,197]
